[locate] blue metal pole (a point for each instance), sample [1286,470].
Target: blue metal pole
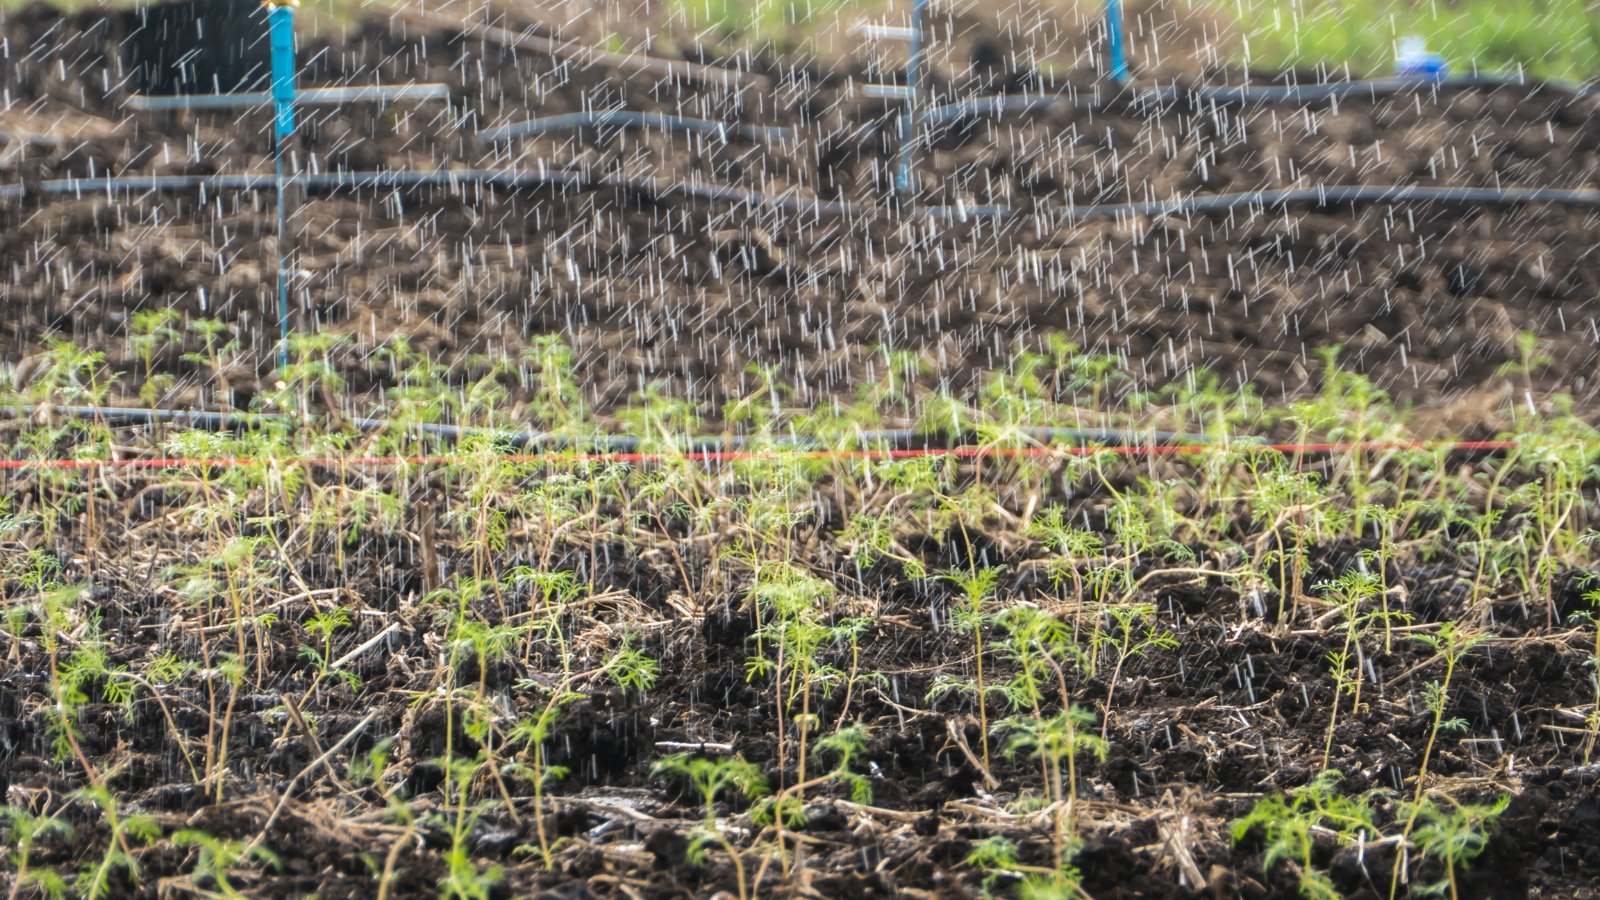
[281,27]
[908,121]
[1114,47]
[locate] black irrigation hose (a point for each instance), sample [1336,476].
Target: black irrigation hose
[387,180]
[1097,98]
[344,182]
[1319,196]
[624,118]
[899,438]
[1370,89]
[334,182]
[1021,104]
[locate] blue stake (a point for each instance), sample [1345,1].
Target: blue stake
[908,121]
[1114,48]
[281,26]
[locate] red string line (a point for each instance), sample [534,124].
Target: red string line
[716,456]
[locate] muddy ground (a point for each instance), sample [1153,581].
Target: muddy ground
[1428,299]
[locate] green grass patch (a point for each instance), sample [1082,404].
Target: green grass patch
[1546,38]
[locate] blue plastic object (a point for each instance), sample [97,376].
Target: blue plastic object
[281,27]
[1413,60]
[1114,47]
[908,120]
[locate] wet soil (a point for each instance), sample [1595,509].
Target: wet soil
[1427,298]
[1236,708]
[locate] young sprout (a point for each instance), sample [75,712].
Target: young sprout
[1450,643]
[1072,546]
[997,857]
[26,830]
[1352,595]
[846,745]
[976,587]
[1133,633]
[1287,825]
[1453,833]
[711,778]
[217,354]
[149,329]
[463,879]
[1053,741]
[1592,597]
[100,879]
[631,669]
[1528,362]
[533,733]
[322,626]
[217,858]
[790,646]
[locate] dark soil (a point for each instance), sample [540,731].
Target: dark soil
[1237,709]
[1428,299]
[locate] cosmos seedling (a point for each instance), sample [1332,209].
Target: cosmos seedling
[26,830]
[216,858]
[1055,740]
[712,778]
[976,587]
[1453,833]
[1287,824]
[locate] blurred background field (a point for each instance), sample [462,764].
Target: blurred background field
[1333,38]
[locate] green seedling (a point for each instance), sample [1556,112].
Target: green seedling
[216,858]
[977,587]
[26,830]
[463,879]
[845,746]
[1352,594]
[1453,833]
[108,876]
[1073,548]
[712,778]
[533,734]
[372,769]
[1592,597]
[790,645]
[1288,823]
[998,859]
[218,353]
[1132,633]
[1450,643]
[1054,741]
[322,627]
[149,330]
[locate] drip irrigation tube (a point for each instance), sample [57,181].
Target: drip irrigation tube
[1369,89]
[901,438]
[323,96]
[346,182]
[623,118]
[1372,89]
[1320,196]
[340,182]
